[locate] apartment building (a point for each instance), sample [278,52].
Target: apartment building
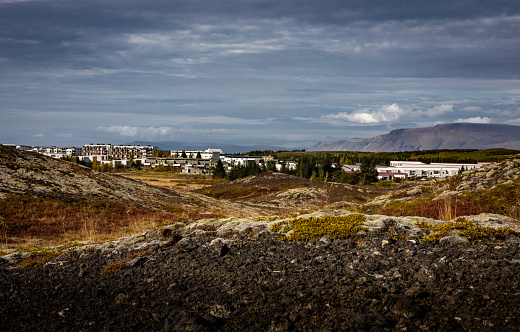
[104,152]
[97,150]
[134,151]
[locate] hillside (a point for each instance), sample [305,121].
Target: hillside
[42,198]
[443,136]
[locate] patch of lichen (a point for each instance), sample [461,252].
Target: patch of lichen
[467,228]
[313,228]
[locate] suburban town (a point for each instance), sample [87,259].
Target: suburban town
[204,161]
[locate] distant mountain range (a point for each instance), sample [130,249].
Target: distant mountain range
[226,148]
[443,136]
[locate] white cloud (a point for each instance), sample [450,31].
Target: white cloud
[139,132]
[64,135]
[38,135]
[477,119]
[386,114]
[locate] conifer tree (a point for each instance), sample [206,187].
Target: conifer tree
[219,172]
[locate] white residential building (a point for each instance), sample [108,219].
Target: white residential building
[54,151]
[291,165]
[241,160]
[209,154]
[405,169]
[433,170]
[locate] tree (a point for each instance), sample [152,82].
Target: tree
[367,171]
[219,172]
[198,155]
[131,161]
[183,155]
[284,168]
[95,164]
[271,166]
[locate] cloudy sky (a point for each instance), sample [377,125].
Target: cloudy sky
[279,72]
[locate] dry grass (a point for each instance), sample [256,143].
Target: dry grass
[171,180]
[448,208]
[29,221]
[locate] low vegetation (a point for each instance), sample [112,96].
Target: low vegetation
[314,228]
[30,221]
[467,228]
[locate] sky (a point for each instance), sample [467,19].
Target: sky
[287,73]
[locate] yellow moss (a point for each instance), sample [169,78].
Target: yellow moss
[313,228]
[467,228]
[396,236]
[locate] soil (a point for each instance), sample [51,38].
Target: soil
[258,283]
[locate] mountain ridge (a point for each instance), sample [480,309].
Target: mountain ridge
[443,136]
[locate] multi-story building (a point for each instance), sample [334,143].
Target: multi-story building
[101,152]
[97,150]
[104,152]
[134,151]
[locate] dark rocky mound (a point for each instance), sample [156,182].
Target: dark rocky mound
[257,283]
